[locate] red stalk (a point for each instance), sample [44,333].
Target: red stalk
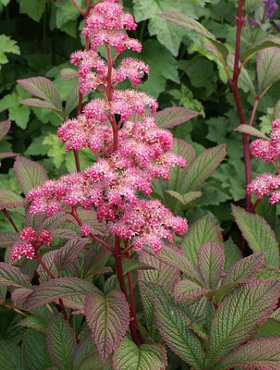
[51,275]
[110,96]
[9,218]
[135,333]
[237,98]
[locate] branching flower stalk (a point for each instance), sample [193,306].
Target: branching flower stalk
[240,21]
[131,151]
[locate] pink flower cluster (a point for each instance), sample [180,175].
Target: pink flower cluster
[29,242]
[122,175]
[269,151]
[105,25]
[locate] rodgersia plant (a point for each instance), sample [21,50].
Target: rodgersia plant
[99,244]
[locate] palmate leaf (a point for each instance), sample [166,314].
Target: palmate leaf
[108,319]
[4,128]
[145,357]
[53,289]
[202,167]
[202,231]
[262,353]
[7,45]
[61,343]
[42,88]
[211,261]
[29,174]
[69,253]
[10,356]
[172,325]
[239,315]
[258,234]
[7,239]
[12,276]
[174,116]
[247,129]
[187,289]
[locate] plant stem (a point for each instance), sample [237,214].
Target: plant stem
[110,97]
[9,218]
[119,269]
[237,97]
[135,333]
[52,276]
[75,215]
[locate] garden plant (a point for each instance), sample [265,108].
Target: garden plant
[140,185]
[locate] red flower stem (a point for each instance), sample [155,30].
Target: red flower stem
[6,213]
[134,329]
[75,215]
[236,93]
[52,276]
[110,97]
[119,269]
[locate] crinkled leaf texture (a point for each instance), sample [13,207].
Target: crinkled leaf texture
[202,231]
[174,116]
[211,261]
[8,199]
[244,270]
[29,174]
[238,316]
[61,343]
[261,354]
[12,276]
[259,235]
[108,319]
[173,327]
[145,357]
[187,289]
[53,289]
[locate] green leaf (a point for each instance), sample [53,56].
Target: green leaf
[4,128]
[239,315]
[185,199]
[17,112]
[247,129]
[268,64]
[72,100]
[168,35]
[10,356]
[29,174]
[108,319]
[145,357]
[53,289]
[175,258]
[211,261]
[174,116]
[175,333]
[56,149]
[34,12]
[258,234]
[244,270]
[34,350]
[8,199]
[12,276]
[202,231]
[161,70]
[42,88]
[7,45]
[61,343]
[186,289]
[203,166]
[262,353]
